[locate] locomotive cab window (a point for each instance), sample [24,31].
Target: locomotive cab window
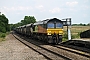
[59,25]
[50,25]
[54,25]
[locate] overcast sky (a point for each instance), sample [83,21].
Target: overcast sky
[15,10]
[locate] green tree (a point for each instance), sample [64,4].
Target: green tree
[88,24]
[28,20]
[4,26]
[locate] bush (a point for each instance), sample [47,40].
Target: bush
[65,38]
[2,35]
[73,36]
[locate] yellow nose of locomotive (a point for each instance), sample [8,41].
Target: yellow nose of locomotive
[51,31]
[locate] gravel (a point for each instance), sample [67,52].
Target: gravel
[12,49]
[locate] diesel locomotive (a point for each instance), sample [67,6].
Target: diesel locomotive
[49,30]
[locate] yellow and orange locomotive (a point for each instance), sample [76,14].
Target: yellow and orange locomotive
[49,30]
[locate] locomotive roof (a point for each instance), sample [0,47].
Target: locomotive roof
[28,25]
[19,27]
[23,26]
[44,21]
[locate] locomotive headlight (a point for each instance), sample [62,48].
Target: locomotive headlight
[60,32]
[49,34]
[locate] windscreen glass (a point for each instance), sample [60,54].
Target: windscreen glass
[50,25]
[59,25]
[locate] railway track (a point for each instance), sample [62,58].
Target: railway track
[72,50]
[52,52]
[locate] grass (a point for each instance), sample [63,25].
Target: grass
[75,31]
[2,36]
[2,39]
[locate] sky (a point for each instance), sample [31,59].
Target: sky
[16,10]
